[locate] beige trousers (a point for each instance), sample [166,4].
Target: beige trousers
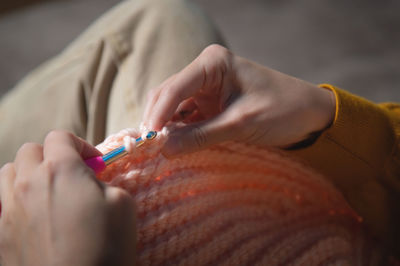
[98,84]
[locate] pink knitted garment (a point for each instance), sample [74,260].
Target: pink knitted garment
[234,204]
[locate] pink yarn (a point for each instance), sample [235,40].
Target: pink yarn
[235,204]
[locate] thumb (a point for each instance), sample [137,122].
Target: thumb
[197,136]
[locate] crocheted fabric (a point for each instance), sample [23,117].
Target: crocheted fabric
[234,204]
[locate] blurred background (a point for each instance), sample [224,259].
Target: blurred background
[354,44]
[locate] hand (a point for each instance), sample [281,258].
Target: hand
[54,211]
[222,97]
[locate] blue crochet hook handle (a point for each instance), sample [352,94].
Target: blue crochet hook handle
[99,163]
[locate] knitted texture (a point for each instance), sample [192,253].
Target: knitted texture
[234,204]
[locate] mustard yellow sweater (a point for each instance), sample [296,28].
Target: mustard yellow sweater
[360,153]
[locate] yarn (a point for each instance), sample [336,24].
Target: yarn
[234,204]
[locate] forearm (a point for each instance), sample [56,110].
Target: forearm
[355,153]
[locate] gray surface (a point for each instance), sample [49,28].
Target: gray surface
[352,44]
[31,35]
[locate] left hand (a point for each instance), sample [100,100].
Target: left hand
[55,212]
[221,96]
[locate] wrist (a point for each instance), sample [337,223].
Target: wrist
[324,108]
[330,110]
[320,115]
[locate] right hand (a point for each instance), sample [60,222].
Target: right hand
[221,96]
[55,212]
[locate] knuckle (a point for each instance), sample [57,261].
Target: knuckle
[199,137]
[55,166]
[48,170]
[58,134]
[52,170]
[22,188]
[6,168]
[119,196]
[215,50]
[54,134]
[218,56]
[215,61]
[28,146]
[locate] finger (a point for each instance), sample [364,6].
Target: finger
[116,195]
[7,178]
[194,117]
[62,146]
[120,199]
[200,135]
[205,72]
[185,85]
[121,204]
[185,109]
[153,98]
[28,158]
[123,220]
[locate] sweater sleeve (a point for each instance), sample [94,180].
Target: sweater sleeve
[360,154]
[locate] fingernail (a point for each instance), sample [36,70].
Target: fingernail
[153,125]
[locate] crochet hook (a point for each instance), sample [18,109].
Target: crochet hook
[99,163]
